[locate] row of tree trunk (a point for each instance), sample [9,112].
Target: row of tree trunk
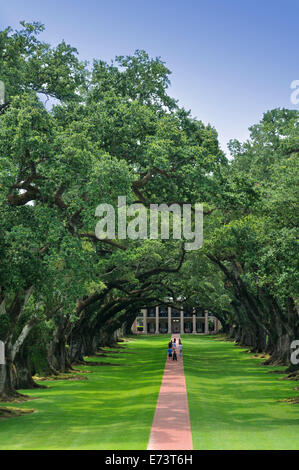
[259,321]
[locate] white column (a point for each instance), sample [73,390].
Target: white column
[206,322]
[157,320]
[182,323]
[144,310]
[169,320]
[194,323]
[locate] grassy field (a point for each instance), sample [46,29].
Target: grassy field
[233,400]
[113,409]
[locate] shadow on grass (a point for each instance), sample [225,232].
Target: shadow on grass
[234,398]
[114,409]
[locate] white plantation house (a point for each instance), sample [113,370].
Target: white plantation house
[163,319]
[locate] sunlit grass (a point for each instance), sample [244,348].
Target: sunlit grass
[113,409]
[233,399]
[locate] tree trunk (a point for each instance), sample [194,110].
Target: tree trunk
[57,352]
[7,377]
[76,350]
[282,351]
[23,377]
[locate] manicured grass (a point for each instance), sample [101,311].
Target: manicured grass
[113,409]
[233,400]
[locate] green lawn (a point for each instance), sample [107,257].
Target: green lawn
[233,400]
[112,410]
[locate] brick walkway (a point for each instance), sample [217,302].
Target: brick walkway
[171,426]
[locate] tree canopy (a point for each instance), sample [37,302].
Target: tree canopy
[113,130]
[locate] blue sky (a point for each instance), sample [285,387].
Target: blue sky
[230,60]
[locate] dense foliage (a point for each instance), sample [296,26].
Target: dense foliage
[113,130]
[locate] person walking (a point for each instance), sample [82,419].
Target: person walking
[180,348]
[170,350]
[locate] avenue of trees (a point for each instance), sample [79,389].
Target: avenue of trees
[73,136]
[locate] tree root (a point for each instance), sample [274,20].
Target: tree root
[6,412]
[62,376]
[15,397]
[294,400]
[292,376]
[87,363]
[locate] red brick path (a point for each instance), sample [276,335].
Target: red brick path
[171,426]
